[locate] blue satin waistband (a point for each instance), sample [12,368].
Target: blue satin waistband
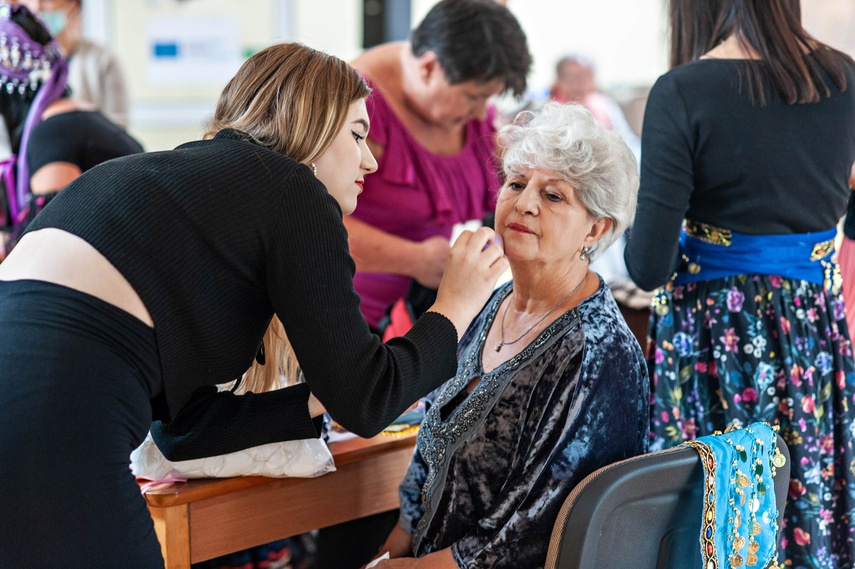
[709,253]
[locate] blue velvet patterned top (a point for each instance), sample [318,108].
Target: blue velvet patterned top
[492,468]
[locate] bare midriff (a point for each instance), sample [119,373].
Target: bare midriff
[58,257]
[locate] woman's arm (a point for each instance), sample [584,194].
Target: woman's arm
[363,383]
[377,251]
[207,424]
[667,182]
[398,544]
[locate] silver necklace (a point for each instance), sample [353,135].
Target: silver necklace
[502,342]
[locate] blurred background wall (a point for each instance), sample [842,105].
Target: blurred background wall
[178,54]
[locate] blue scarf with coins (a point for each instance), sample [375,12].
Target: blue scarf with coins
[740,513]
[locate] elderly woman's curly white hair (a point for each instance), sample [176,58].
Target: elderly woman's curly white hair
[567,140]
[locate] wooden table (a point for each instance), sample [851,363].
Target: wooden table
[206,518]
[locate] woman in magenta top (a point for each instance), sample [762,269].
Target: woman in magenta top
[433,135]
[418,195]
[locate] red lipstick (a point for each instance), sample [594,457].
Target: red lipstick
[520,228]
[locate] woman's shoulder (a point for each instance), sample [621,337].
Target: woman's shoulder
[236,152]
[701,71]
[697,84]
[84,133]
[381,62]
[83,117]
[847,66]
[613,364]
[381,68]
[604,326]
[378,105]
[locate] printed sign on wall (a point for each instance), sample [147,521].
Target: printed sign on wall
[193,51]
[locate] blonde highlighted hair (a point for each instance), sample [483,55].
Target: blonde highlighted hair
[291,99]
[281,368]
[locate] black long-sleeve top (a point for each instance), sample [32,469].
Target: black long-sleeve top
[217,235]
[710,155]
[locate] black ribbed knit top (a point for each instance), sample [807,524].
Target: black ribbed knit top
[217,235]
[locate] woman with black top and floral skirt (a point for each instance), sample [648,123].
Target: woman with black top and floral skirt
[747,148]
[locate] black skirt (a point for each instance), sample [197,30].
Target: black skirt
[77,376]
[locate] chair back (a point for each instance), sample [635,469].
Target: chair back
[644,512]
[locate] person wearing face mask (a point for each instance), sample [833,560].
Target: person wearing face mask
[433,135]
[152,278]
[94,72]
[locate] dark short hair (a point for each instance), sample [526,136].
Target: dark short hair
[475,40]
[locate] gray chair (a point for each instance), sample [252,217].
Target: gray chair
[643,512]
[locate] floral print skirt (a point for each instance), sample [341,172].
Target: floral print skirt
[765,348]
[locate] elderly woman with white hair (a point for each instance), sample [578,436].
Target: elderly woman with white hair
[551,384]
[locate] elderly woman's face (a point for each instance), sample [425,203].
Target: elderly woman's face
[542,221]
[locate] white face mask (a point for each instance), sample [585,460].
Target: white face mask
[54,20]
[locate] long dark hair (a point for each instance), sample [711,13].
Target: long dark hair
[773,29]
